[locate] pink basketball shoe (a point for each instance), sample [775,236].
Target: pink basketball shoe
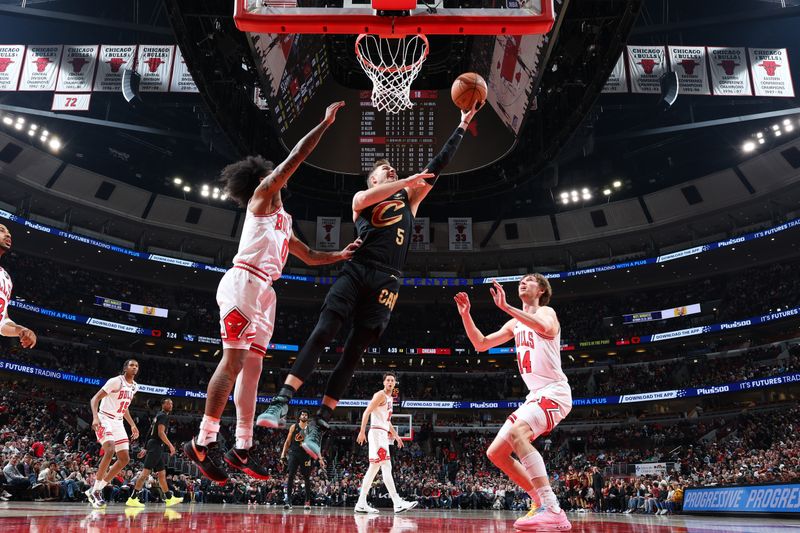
[544,520]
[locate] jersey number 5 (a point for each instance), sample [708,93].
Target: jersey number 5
[401,236]
[524,362]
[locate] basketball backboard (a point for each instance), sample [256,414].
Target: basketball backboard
[403,425]
[395,17]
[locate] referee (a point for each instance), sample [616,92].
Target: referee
[154,460]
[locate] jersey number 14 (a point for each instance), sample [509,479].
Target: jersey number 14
[524,362]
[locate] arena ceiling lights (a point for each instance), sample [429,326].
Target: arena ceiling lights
[583,195]
[775,131]
[206,191]
[18,123]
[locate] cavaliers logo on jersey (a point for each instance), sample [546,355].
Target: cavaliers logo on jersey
[298,436]
[387,213]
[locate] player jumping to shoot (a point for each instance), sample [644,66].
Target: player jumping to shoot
[368,287]
[537,335]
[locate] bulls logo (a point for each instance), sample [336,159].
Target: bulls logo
[115,63]
[234,324]
[385,213]
[729,66]
[383,454]
[648,65]
[41,63]
[688,66]
[327,228]
[153,63]
[769,66]
[78,63]
[4,63]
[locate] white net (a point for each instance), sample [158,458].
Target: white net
[392,64]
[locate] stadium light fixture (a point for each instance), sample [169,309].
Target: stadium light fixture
[775,127]
[565,201]
[749,146]
[186,188]
[18,125]
[607,192]
[34,127]
[584,191]
[21,120]
[786,122]
[7,121]
[177,181]
[216,190]
[223,197]
[759,135]
[204,193]
[43,138]
[54,144]
[205,187]
[564,195]
[777,133]
[761,141]
[617,184]
[788,128]
[586,196]
[45,133]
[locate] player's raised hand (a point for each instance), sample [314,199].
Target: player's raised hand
[362,438]
[350,249]
[466,116]
[418,180]
[330,112]
[498,295]
[462,301]
[27,338]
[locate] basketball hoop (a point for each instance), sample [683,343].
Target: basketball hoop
[392,63]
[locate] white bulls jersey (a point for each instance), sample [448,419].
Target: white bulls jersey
[380,417]
[539,359]
[119,395]
[5,294]
[264,245]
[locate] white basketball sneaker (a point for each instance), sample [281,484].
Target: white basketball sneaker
[404,506]
[365,508]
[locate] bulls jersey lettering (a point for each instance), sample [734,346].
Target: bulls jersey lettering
[385,229]
[379,418]
[538,357]
[119,395]
[264,246]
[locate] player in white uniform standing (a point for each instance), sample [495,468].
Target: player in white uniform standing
[537,335]
[8,328]
[381,433]
[246,299]
[109,409]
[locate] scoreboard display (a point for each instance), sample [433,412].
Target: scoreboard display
[409,139]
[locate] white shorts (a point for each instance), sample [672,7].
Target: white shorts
[378,445]
[247,310]
[112,430]
[540,411]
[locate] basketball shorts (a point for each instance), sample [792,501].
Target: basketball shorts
[540,412]
[378,445]
[154,460]
[112,430]
[365,293]
[247,311]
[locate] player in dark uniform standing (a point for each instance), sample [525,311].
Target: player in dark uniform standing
[297,458]
[157,444]
[367,289]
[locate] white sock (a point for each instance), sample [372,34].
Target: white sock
[245,393]
[548,498]
[209,427]
[366,484]
[101,484]
[388,480]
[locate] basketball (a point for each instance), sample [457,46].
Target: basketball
[468,89]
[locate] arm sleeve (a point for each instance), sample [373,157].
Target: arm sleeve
[441,160]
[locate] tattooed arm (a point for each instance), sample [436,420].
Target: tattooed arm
[268,188]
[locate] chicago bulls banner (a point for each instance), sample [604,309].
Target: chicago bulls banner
[729,73]
[114,59]
[76,73]
[771,73]
[460,230]
[10,65]
[40,69]
[328,233]
[421,234]
[154,65]
[182,81]
[689,63]
[646,64]
[618,79]
[71,102]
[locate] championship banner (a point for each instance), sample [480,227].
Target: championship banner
[328,233]
[117,305]
[460,230]
[689,63]
[10,66]
[421,234]
[71,102]
[771,73]
[182,81]
[646,64]
[40,69]
[114,59]
[76,72]
[729,73]
[617,81]
[154,65]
